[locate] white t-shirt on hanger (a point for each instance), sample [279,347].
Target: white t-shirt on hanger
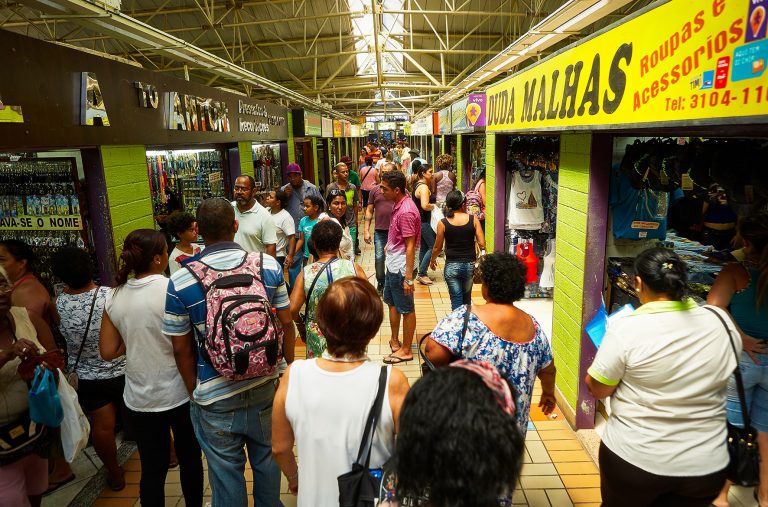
[525,207]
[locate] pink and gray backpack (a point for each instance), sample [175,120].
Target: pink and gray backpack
[243,338]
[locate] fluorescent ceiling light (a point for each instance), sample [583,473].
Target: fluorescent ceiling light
[581,16]
[537,43]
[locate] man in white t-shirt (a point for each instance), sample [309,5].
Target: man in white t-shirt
[257,230]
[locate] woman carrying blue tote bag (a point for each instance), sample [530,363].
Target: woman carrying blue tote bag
[44,403]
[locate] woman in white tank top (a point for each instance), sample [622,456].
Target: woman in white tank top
[322,404]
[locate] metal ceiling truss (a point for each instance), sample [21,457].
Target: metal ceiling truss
[307,53]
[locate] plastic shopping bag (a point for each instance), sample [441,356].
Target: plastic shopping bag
[44,402]
[74,428]
[437,215]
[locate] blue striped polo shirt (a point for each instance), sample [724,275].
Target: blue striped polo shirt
[185,310]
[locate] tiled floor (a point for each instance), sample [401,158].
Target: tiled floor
[558,472]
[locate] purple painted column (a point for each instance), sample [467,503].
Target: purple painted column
[98,215]
[284,160]
[466,169]
[233,155]
[500,195]
[594,268]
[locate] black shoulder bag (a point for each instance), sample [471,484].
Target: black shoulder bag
[360,487]
[71,376]
[427,365]
[744,464]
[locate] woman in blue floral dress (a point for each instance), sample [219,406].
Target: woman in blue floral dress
[501,334]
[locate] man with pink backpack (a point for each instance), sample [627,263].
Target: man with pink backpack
[228,315]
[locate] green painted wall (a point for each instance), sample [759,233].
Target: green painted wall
[572,202]
[314,160]
[459,162]
[128,192]
[291,143]
[246,158]
[490,192]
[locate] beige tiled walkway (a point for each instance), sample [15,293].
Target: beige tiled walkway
[558,472]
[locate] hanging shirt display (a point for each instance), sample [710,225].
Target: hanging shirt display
[637,213]
[525,205]
[547,280]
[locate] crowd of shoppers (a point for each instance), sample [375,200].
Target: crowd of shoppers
[667,366]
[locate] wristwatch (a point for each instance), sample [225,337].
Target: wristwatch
[409,282]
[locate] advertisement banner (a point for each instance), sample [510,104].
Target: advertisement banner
[338,128]
[383,126]
[313,124]
[698,62]
[422,127]
[355,131]
[327,127]
[459,117]
[42,223]
[444,121]
[347,128]
[476,110]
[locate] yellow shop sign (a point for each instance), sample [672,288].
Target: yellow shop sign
[684,60]
[42,223]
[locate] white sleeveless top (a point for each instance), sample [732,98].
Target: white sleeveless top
[152,380]
[526,210]
[327,411]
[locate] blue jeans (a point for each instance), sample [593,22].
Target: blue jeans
[225,429]
[458,277]
[755,377]
[428,237]
[295,269]
[380,244]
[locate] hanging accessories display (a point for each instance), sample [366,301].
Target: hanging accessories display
[40,205]
[266,166]
[183,179]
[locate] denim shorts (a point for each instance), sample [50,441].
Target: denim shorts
[394,295]
[755,378]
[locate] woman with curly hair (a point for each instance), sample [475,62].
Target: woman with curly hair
[500,334]
[458,443]
[154,392]
[444,180]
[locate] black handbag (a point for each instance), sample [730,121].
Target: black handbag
[744,464]
[360,487]
[427,365]
[21,438]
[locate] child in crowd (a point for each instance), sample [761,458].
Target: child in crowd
[313,206]
[276,201]
[184,227]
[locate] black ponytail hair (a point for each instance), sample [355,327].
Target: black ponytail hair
[453,202]
[664,272]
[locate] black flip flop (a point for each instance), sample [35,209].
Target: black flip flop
[392,359]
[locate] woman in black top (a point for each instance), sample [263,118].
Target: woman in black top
[425,202]
[460,231]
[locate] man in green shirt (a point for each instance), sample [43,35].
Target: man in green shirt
[354,177]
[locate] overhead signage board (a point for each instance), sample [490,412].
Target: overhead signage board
[444,121]
[327,127]
[459,117]
[700,61]
[347,128]
[338,128]
[476,110]
[422,126]
[313,124]
[383,126]
[355,131]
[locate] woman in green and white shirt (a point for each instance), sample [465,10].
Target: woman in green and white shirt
[666,367]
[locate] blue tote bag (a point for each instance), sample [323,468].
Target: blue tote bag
[44,403]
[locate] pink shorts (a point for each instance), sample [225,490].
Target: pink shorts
[25,477]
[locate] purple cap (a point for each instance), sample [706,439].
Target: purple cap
[294,168]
